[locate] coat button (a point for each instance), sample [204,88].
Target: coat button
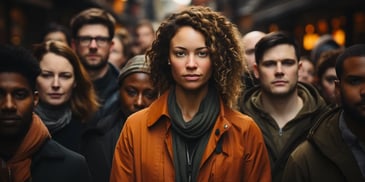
[225,126]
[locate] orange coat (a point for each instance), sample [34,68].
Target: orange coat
[144,150]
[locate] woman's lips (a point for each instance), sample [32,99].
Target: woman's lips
[55,95]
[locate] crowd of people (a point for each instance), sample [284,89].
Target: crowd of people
[192,100]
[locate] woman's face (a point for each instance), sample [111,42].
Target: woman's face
[328,85]
[189,57]
[56,81]
[306,72]
[136,92]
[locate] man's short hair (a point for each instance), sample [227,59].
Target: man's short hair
[352,51]
[19,60]
[92,16]
[273,39]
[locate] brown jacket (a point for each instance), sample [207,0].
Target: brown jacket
[235,150]
[324,156]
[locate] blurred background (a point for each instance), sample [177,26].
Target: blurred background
[22,21]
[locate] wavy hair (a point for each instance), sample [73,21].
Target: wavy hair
[223,41]
[83,101]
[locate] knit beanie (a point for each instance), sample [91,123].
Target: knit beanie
[136,64]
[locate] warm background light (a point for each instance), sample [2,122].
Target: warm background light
[310,38]
[183,2]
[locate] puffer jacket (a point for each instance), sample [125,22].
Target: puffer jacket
[293,133]
[235,149]
[324,156]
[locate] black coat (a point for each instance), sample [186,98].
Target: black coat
[55,163]
[98,145]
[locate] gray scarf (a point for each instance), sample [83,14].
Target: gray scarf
[196,131]
[55,118]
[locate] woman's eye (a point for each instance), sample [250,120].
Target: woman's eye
[203,54]
[180,54]
[46,75]
[66,76]
[131,92]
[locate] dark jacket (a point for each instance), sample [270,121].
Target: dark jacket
[98,137]
[98,145]
[107,90]
[280,142]
[70,135]
[324,156]
[53,162]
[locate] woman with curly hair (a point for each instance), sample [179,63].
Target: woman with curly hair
[192,132]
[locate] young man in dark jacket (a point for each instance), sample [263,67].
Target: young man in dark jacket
[334,150]
[92,33]
[27,152]
[283,108]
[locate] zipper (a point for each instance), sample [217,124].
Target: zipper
[9,173]
[280,131]
[3,165]
[189,166]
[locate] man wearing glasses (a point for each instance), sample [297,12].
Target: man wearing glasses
[92,32]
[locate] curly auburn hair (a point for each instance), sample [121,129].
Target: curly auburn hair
[222,39]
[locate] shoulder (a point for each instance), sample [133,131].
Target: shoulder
[53,151]
[54,160]
[243,123]
[303,152]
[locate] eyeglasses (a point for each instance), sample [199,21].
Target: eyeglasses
[100,41]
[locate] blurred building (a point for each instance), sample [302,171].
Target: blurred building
[22,21]
[306,19]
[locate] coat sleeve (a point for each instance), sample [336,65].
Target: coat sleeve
[257,166]
[123,160]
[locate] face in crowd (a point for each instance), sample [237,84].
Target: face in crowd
[189,58]
[136,92]
[17,101]
[351,87]
[249,41]
[327,82]
[306,71]
[278,70]
[145,36]
[93,45]
[116,56]
[56,81]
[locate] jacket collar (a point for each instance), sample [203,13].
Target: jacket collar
[159,109]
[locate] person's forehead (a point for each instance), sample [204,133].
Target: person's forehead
[252,38]
[93,30]
[280,51]
[355,64]
[13,80]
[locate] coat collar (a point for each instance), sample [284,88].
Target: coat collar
[159,109]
